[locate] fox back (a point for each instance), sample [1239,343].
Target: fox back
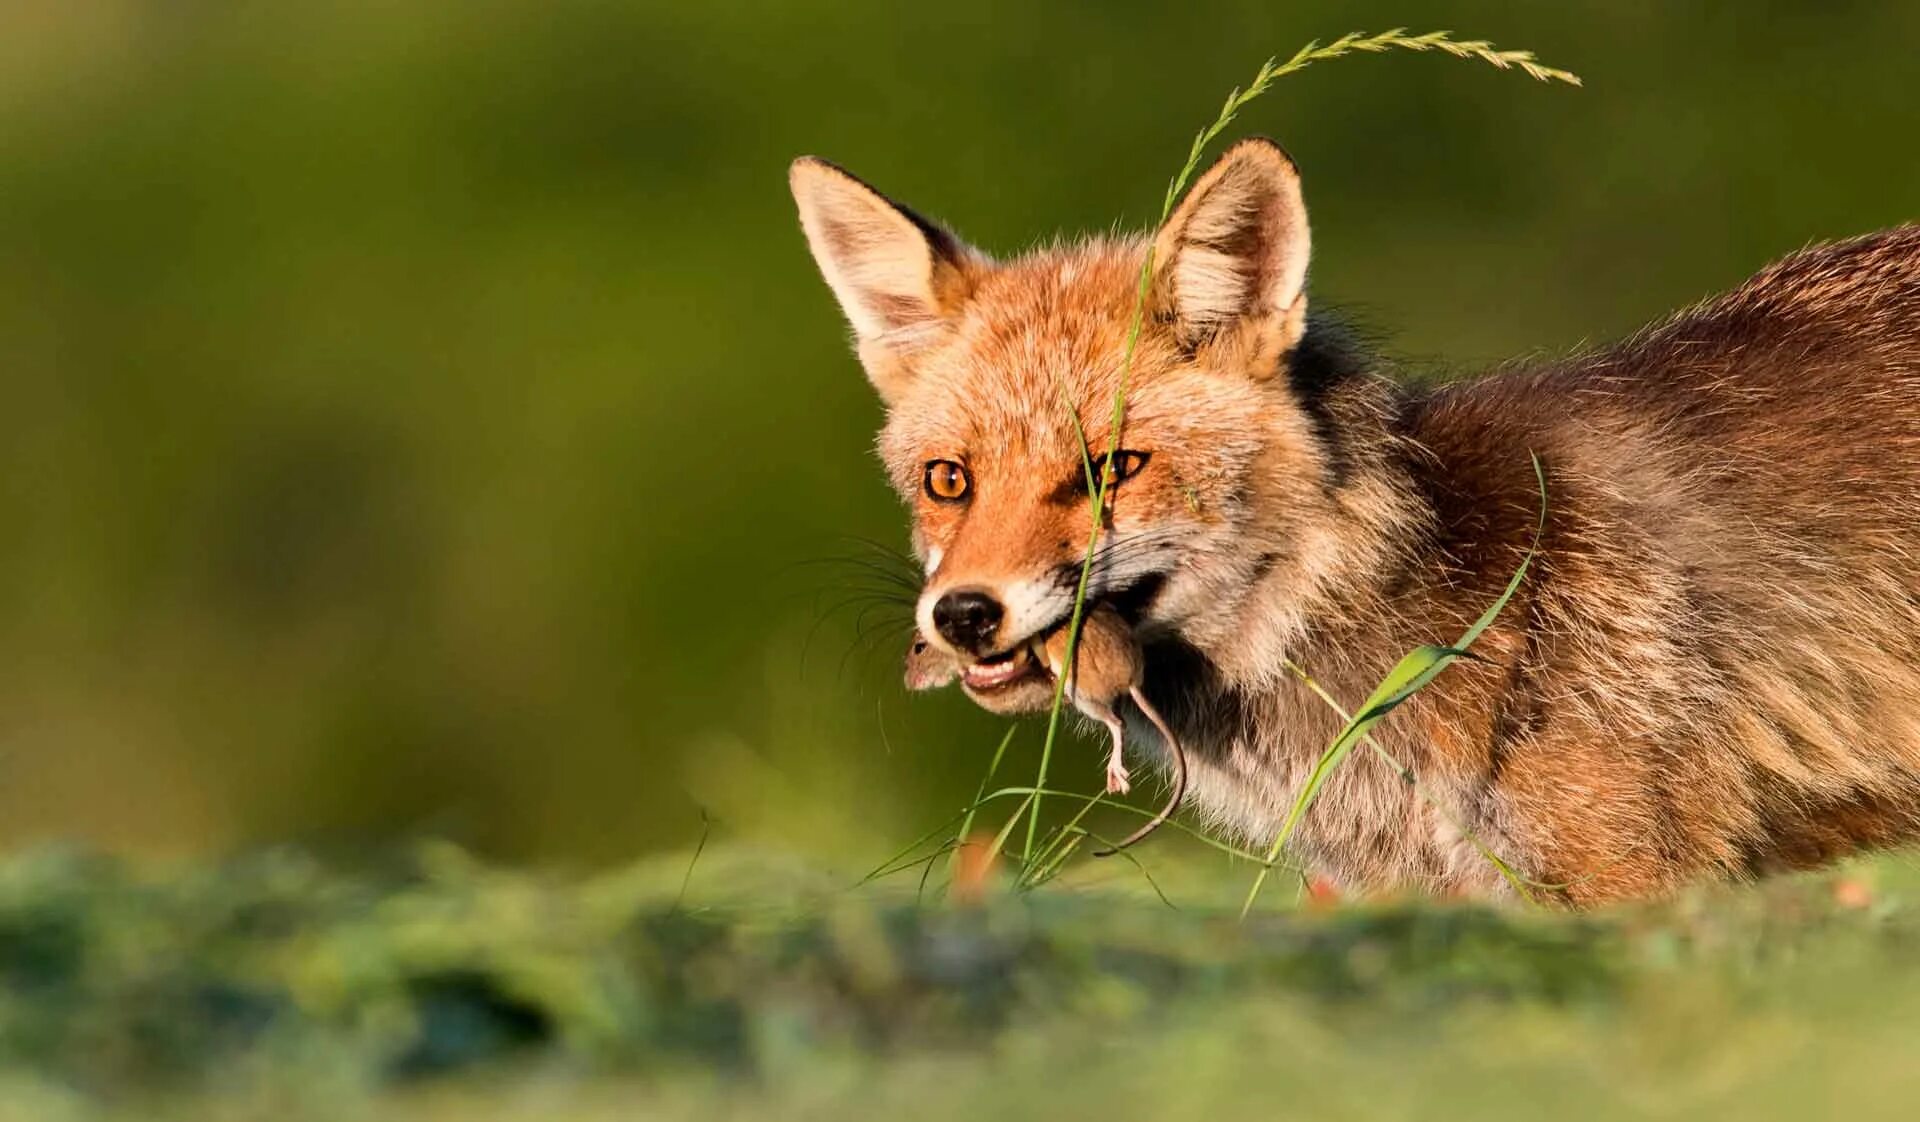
[1711,670]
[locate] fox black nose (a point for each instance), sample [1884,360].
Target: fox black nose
[966,617]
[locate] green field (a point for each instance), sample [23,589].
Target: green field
[436,988]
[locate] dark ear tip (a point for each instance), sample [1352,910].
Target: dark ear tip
[1262,148]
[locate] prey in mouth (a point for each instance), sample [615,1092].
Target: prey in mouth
[1021,677]
[1107,666]
[1017,675]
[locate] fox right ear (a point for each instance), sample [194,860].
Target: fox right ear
[1231,262]
[899,278]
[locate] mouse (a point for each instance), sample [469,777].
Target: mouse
[1109,665]
[928,667]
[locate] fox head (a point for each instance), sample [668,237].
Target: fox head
[999,380]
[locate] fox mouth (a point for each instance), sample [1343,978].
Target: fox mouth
[1002,671]
[1012,681]
[1016,680]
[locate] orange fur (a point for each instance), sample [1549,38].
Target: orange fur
[1713,670]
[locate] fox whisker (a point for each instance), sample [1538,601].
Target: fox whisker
[903,562]
[870,636]
[868,566]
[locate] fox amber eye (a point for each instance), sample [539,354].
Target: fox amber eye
[947,481]
[1123,466]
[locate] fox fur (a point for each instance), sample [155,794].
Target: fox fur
[1711,671]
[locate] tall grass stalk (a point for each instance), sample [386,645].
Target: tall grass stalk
[1098,481]
[1413,673]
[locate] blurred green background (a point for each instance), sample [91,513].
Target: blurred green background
[418,419]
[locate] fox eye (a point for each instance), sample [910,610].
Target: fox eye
[1122,466]
[947,481]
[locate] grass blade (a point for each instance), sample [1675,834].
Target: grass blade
[1409,676]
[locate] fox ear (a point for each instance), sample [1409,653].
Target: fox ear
[1231,263]
[899,278]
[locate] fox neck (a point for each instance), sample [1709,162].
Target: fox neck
[1338,595]
[1417,529]
[1286,587]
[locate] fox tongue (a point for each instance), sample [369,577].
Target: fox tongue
[1000,671]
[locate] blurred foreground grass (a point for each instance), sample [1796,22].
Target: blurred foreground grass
[441,989]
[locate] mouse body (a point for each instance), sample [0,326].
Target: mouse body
[1108,666]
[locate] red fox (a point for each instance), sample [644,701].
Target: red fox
[1711,670]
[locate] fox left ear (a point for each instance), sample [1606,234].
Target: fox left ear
[1231,263]
[899,278]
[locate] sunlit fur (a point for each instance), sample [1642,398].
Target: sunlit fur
[1713,669]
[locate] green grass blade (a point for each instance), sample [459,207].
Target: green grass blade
[1196,835]
[1409,676]
[966,820]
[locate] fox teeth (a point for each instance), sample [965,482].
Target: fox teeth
[987,675]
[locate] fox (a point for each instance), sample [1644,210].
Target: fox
[1710,671]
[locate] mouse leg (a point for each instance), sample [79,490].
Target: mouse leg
[1118,781]
[1176,755]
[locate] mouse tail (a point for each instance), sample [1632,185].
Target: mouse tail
[1175,796]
